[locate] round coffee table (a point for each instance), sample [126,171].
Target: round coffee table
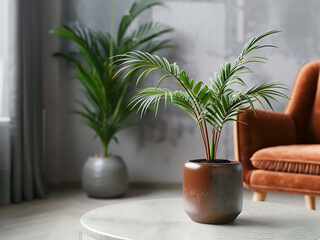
[165,219]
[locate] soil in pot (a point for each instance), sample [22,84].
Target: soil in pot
[212,161]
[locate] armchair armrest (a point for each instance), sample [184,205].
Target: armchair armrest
[266,130]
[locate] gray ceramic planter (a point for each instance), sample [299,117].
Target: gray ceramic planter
[105,177]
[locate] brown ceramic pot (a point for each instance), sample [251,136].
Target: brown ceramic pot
[212,191]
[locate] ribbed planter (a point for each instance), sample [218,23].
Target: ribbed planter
[212,191]
[105,177]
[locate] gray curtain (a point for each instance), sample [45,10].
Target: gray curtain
[27,176]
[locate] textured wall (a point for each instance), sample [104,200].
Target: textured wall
[207,34]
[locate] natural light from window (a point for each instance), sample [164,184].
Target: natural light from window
[5,65]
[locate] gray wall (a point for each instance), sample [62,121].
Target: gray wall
[207,34]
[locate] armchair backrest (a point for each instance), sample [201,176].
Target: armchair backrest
[304,106]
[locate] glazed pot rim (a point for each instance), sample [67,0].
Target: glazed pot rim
[211,163]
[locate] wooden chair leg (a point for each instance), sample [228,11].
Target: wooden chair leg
[310,202]
[259,196]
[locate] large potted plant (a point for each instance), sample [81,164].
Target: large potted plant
[105,109]
[212,187]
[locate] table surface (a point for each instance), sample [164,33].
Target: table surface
[165,219]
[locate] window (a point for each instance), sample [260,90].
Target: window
[5,61]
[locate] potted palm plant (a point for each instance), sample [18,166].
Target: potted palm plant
[212,187]
[105,110]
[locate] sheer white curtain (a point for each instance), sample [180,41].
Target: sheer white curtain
[6,47]
[7,73]
[21,158]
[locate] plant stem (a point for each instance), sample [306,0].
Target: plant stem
[203,135]
[216,144]
[207,143]
[204,141]
[204,131]
[212,146]
[105,150]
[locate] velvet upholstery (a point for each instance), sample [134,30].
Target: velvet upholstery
[265,130]
[304,106]
[298,124]
[301,158]
[305,184]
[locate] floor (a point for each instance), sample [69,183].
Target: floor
[58,216]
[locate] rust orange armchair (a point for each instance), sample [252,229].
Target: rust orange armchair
[280,152]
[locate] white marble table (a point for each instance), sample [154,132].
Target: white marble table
[165,219]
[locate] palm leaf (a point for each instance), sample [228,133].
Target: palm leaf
[216,104]
[136,9]
[106,112]
[148,32]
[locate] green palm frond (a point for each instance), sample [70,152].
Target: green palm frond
[105,110]
[214,105]
[147,32]
[136,9]
[144,39]
[152,96]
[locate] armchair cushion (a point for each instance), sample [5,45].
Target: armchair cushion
[264,180]
[303,159]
